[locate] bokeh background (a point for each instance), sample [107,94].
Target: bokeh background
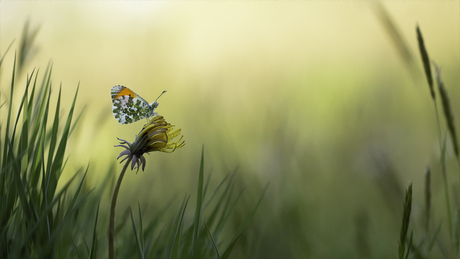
[313,98]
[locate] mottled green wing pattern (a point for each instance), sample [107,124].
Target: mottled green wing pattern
[127,109]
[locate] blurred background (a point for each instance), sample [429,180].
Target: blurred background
[320,100]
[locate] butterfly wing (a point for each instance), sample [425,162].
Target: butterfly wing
[128,107]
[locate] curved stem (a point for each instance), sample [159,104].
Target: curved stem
[112,210]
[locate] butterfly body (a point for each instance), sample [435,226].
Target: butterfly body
[129,107]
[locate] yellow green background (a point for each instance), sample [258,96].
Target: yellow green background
[310,97]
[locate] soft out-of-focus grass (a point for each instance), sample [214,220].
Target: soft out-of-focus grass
[338,138]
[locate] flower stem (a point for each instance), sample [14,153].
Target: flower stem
[112,211]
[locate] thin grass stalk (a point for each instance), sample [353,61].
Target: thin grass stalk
[112,210]
[405,222]
[448,114]
[427,199]
[429,77]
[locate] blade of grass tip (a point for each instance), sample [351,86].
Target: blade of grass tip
[232,245]
[206,185]
[426,62]
[33,121]
[58,159]
[176,243]
[77,205]
[141,228]
[7,130]
[220,202]
[225,209]
[213,241]
[228,212]
[43,90]
[427,199]
[139,246]
[77,120]
[24,98]
[228,176]
[76,194]
[253,212]
[94,242]
[26,117]
[405,222]
[448,114]
[199,198]
[394,34]
[51,180]
[4,54]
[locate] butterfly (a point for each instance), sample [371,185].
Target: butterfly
[129,107]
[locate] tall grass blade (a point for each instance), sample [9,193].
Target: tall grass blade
[141,228]
[410,245]
[8,120]
[253,211]
[51,175]
[230,247]
[196,224]
[139,246]
[156,244]
[92,254]
[220,202]
[4,54]
[427,199]
[394,34]
[448,114]
[60,152]
[213,241]
[405,222]
[73,202]
[177,235]
[26,45]
[426,62]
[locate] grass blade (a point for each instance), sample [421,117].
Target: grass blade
[448,114]
[4,54]
[141,230]
[213,241]
[177,235]
[230,247]
[196,224]
[426,62]
[94,242]
[405,222]
[139,246]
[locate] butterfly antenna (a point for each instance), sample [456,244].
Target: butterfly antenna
[160,95]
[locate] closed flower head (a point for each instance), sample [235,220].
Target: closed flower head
[157,135]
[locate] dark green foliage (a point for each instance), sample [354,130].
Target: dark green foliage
[33,212]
